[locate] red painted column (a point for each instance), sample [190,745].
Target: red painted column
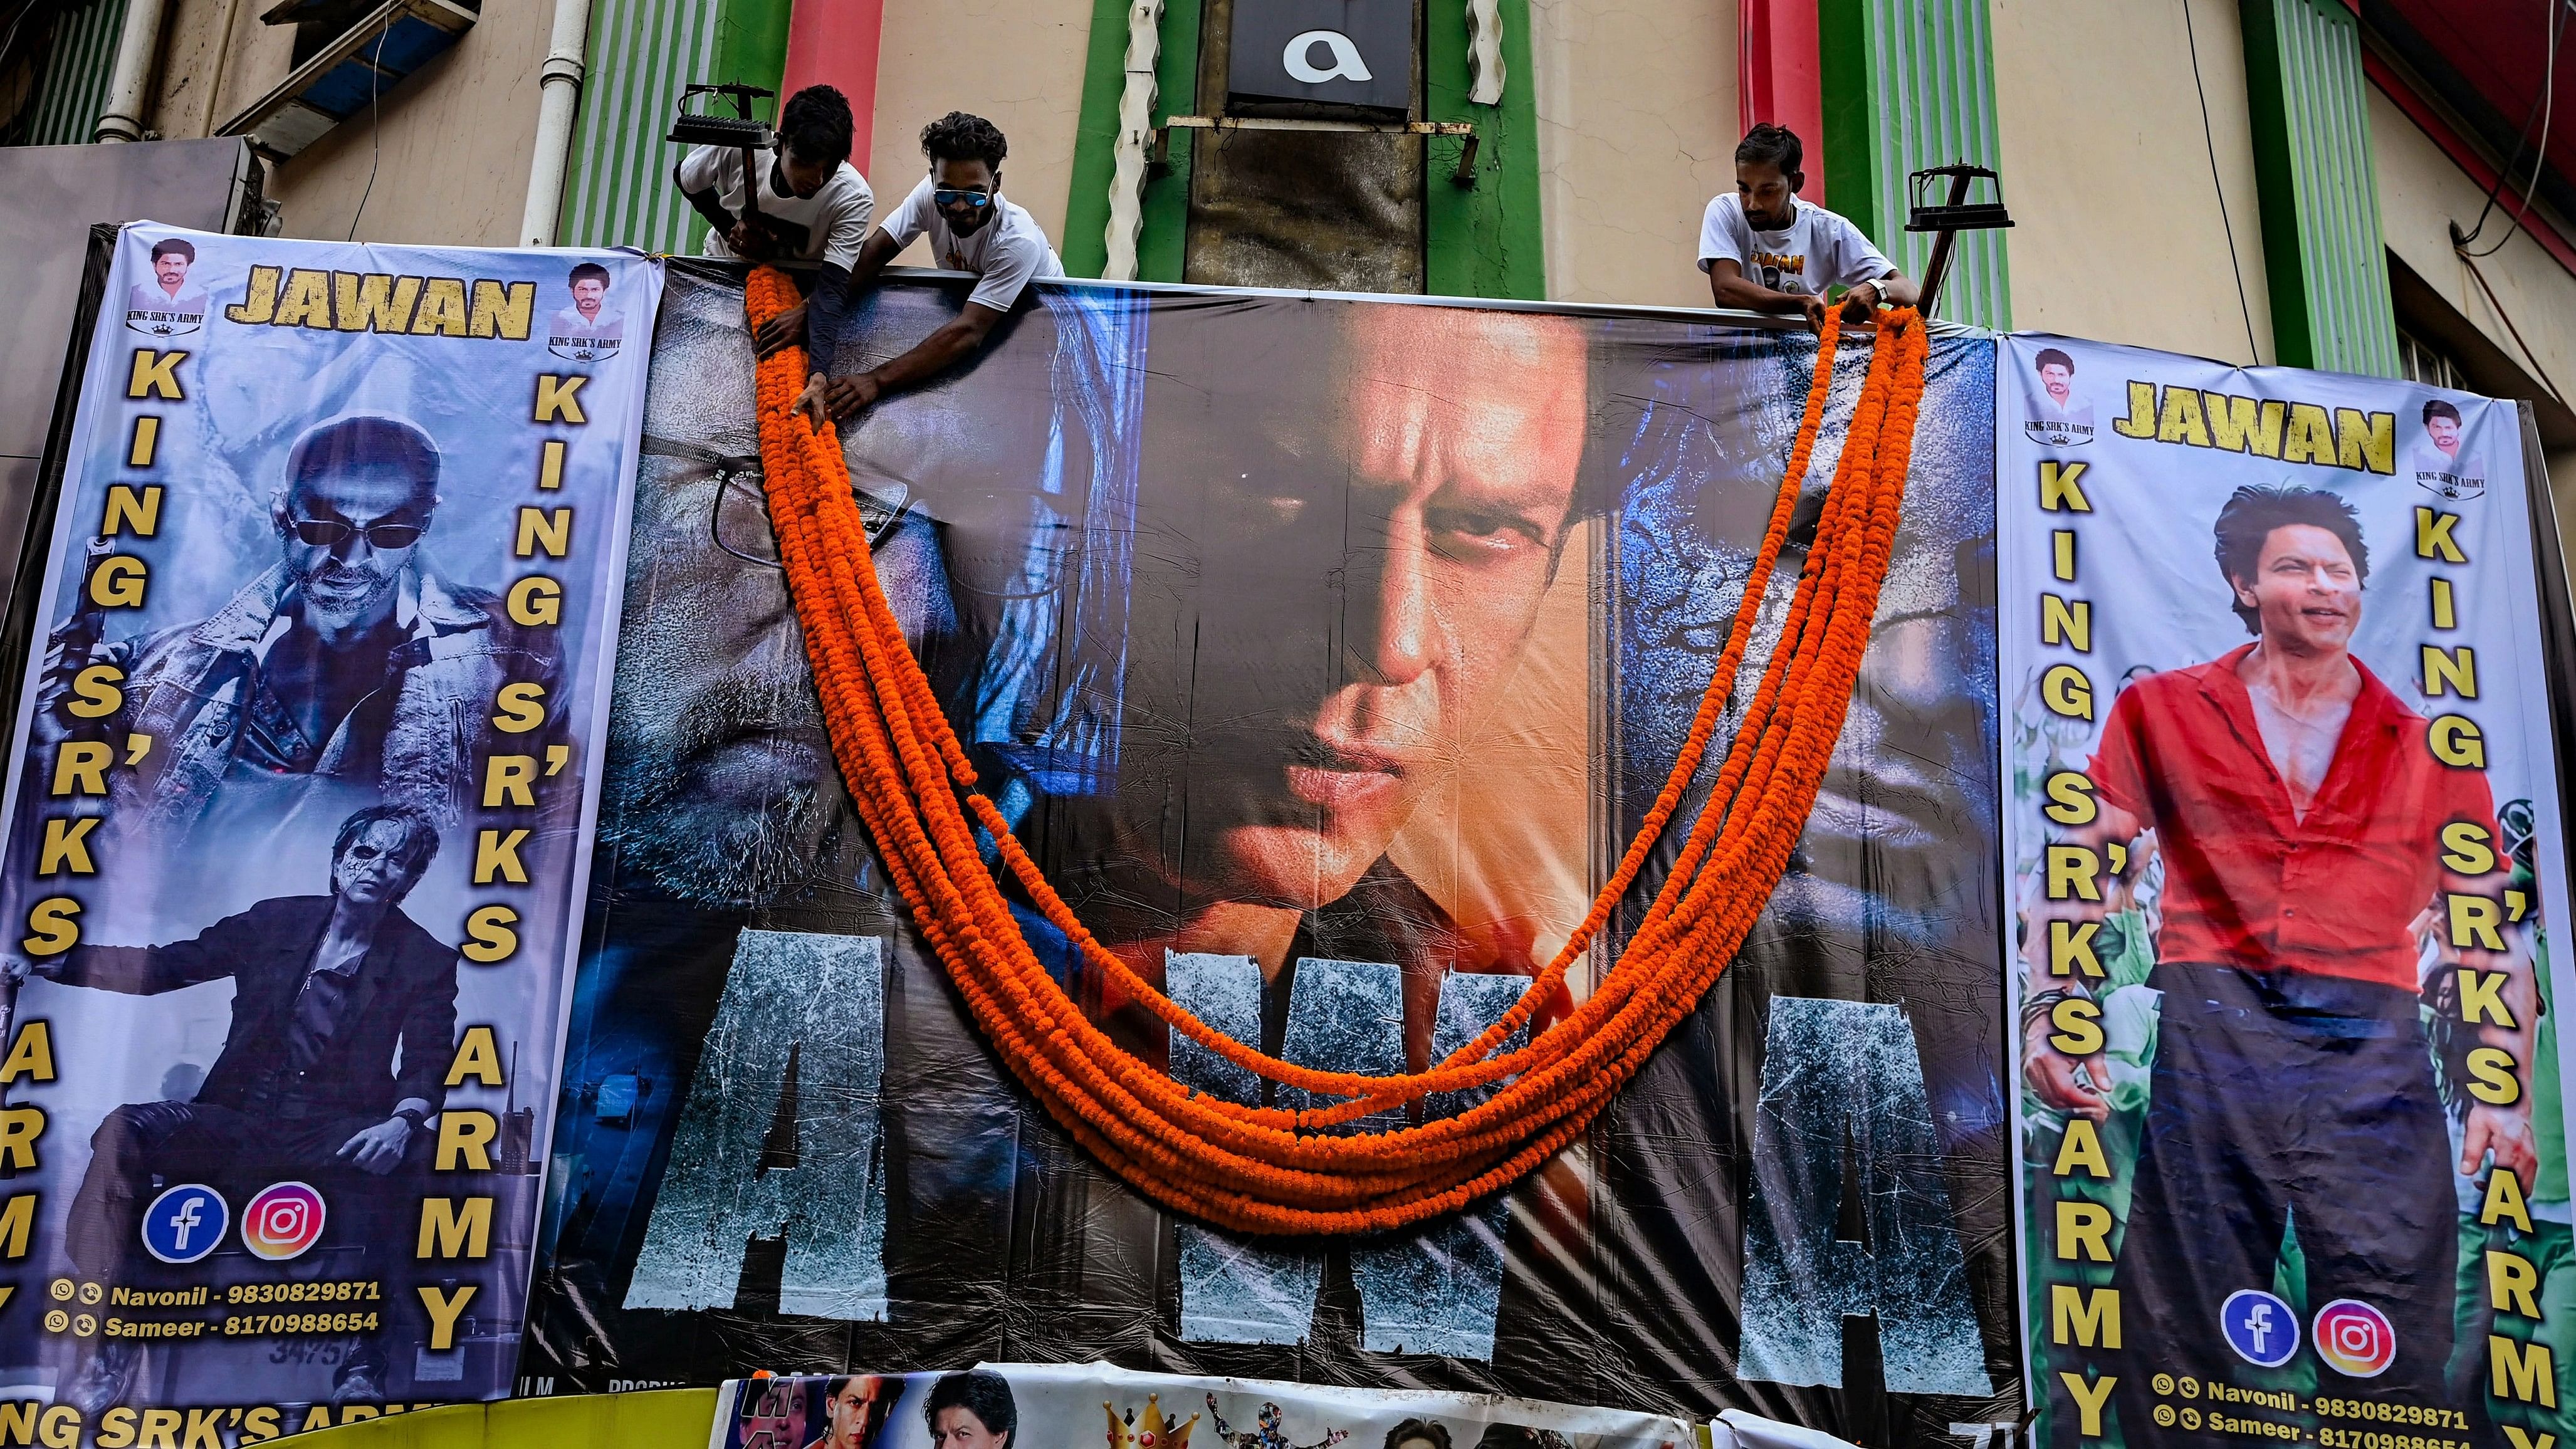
[834,42]
[1778,78]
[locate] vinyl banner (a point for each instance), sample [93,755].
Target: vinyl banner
[1078,1406]
[298,816]
[2284,838]
[1327,652]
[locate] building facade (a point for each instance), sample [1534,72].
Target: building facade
[2250,180]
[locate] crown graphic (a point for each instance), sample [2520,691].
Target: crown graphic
[1153,1431]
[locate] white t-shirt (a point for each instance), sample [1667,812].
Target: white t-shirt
[835,218]
[1006,254]
[1816,250]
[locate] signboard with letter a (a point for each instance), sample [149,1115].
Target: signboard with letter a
[1355,54]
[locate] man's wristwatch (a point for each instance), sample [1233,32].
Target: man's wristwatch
[413,1115]
[1877,291]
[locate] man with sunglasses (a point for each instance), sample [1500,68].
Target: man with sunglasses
[350,661]
[959,206]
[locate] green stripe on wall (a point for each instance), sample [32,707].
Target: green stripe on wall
[1484,240]
[78,67]
[1085,246]
[641,54]
[1910,84]
[2324,257]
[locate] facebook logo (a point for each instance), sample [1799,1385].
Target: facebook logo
[2261,1328]
[185,1223]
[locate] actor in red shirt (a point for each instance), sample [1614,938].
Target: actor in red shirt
[2300,813]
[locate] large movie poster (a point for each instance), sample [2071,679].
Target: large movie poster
[1326,652]
[2284,838]
[298,813]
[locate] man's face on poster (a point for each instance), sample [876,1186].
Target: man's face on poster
[377,868]
[2305,591]
[172,270]
[1364,516]
[2059,381]
[587,294]
[721,785]
[2445,433]
[339,533]
[959,1428]
[847,1413]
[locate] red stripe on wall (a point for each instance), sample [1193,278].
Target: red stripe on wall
[834,42]
[1779,78]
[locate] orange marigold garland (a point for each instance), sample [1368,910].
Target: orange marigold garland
[1273,1170]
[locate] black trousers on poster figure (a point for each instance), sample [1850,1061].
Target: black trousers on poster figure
[2277,1101]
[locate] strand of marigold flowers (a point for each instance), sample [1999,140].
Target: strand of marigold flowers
[1253,1168]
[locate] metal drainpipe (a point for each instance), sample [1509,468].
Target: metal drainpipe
[559,100]
[129,86]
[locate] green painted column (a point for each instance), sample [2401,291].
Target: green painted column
[73,88]
[1910,84]
[617,190]
[2323,254]
[1084,247]
[1484,240]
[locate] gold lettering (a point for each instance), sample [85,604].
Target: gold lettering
[155,374]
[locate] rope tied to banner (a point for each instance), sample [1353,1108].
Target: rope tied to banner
[1277,1170]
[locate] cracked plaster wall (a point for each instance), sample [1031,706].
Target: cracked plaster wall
[2116,224]
[1636,121]
[1017,63]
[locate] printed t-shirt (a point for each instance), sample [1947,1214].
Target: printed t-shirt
[1816,250]
[835,219]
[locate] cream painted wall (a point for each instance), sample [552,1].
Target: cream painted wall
[2117,233]
[1636,120]
[1016,63]
[449,150]
[2420,193]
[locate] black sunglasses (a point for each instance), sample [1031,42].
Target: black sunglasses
[951,195]
[330,533]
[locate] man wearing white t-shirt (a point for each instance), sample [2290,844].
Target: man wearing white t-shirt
[812,215]
[959,206]
[1765,251]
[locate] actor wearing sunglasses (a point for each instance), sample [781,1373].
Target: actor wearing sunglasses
[959,206]
[350,661]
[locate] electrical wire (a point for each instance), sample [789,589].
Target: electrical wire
[2548,108]
[375,133]
[2253,350]
[2521,143]
[2507,319]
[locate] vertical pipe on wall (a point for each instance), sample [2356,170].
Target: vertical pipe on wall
[1135,132]
[558,101]
[129,86]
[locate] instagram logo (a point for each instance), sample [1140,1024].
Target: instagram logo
[283,1221]
[2354,1338]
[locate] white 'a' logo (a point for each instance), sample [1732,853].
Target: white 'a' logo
[1299,57]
